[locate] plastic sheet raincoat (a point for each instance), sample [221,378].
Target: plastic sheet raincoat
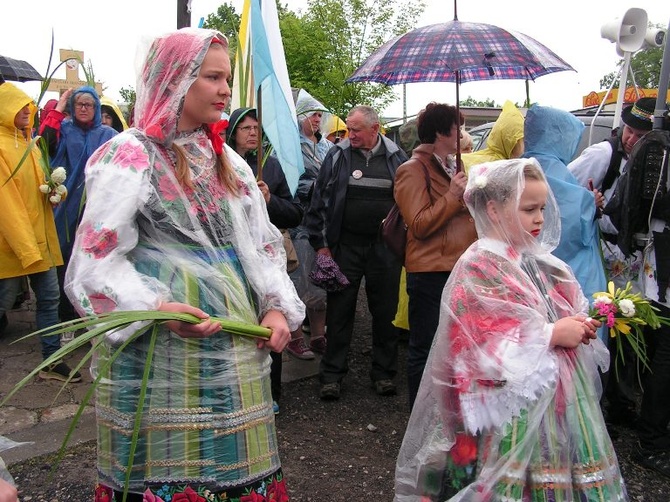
[505,134]
[145,238]
[501,414]
[552,136]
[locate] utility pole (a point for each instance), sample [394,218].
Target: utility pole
[183,13]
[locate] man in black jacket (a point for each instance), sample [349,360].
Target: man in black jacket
[353,193]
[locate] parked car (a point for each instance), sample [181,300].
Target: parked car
[602,129]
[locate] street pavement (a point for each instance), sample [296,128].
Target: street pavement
[41,413]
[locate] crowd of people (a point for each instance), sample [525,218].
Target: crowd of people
[187,213]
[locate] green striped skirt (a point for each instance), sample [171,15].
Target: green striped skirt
[207,419]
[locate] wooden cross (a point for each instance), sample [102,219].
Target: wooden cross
[71,81]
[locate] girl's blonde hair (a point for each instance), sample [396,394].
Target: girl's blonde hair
[224,170]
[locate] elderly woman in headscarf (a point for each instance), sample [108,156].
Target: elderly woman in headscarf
[505,141]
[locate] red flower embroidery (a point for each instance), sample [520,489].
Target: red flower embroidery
[101,303]
[103,494]
[150,497]
[277,491]
[99,243]
[188,495]
[253,497]
[130,156]
[464,450]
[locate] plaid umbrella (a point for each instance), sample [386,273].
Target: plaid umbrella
[458,52]
[15,69]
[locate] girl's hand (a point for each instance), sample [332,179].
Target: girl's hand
[204,329]
[281,335]
[569,332]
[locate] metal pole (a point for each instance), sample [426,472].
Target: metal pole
[404,103]
[662,97]
[622,89]
[183,13]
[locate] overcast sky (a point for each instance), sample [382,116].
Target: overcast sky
[110,37]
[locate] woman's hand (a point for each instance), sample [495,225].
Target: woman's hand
[457,184]
[203,329]
[265,190]
[62,101]
[569,332]
[280,336]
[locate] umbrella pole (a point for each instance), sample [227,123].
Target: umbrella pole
[458,115]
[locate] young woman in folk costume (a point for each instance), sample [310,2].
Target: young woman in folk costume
[174,221]
[508,406]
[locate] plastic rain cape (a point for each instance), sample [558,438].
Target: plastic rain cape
[147,238]
[501,415]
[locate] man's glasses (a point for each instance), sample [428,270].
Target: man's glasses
[247,129]
[84,106]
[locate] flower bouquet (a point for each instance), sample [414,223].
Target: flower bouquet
[97,325]
[53,186]
[626,314]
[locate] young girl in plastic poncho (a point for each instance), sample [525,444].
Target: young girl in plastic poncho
[174,221]
[508,406]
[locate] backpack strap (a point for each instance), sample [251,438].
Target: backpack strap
[615,163]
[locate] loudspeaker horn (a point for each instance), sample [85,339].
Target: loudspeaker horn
[655,37]
[627,31]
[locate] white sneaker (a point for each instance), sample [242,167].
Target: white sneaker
[66,338]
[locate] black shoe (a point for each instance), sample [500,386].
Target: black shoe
[658,461]
[385,388]
[330,391]
[624,417]
[60,371]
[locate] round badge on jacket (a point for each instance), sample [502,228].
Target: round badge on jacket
[357,174]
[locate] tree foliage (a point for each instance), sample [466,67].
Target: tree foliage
[472,102]
[325,43]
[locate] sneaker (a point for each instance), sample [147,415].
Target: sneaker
[66,338]
[275,407]
[658,461]
[318,345]
[60,371]
[298,348]
[330,391]
[385,388]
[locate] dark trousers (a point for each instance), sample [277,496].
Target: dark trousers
[275,375]
[655,410]
[382,277]
[425,291]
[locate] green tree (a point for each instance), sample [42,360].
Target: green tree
[472,102]
[227,21]
[334,38]
[645,65]
[128,95]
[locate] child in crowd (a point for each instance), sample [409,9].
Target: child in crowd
[508,406]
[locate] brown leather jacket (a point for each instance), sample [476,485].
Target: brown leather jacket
[440,227]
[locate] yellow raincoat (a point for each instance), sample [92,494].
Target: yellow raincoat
[104,100]
[502,139]
[28,240]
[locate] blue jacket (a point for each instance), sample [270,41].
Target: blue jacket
[552,137]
